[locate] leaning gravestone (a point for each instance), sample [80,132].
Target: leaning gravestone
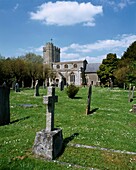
[89,99]
[4,105]
[48,142]
[61,86]
[36,88]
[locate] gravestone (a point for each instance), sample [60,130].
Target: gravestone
[133,89]
[48,142]
[61,85]
[4,105]
[36,88]
[134,108]
[131,93]
[17,87]
[89,99]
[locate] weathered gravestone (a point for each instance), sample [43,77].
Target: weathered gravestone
[131,93]
[36,88]
[134,108]
[49,142]
[133,89]
[17,87]
[61,85]
[4,105]
[89,100]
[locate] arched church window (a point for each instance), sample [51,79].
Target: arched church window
[75,65]
[58,66]
[72,78]
[65,66]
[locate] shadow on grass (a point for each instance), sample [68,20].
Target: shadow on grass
[77,98]
[24,118]
[66,141]
[92,111]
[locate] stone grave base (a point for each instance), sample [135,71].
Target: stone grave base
[48,144]
[134,108]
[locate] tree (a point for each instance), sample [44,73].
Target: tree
[130,53]
[126,69]
[107,68]
[7,71]
[34,66]
[18,68]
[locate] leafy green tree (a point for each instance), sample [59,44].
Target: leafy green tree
[130,53]
[8,76]
[107,68]
[18,68]
[34,66]
[126,70]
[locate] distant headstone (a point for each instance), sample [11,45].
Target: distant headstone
[129,94]
[89,100]
[48,142]
[4,105]
[4,84]
[111,84]
[133,89]
[134,108]
[61,86]
[17,87]
[36,88]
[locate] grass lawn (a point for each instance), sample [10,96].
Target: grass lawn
[110,126]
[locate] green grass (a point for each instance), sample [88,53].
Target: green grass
[110,125]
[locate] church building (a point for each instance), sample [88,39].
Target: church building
[70,71]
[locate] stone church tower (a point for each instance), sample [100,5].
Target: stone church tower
[51,54]
[70,71]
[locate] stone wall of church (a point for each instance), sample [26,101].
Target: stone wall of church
[71,71]
[92,78]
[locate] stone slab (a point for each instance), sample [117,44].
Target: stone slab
[48,144]
[134,108]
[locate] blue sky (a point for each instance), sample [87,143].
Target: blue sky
[82,29]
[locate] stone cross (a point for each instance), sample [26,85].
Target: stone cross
[89,99]
[50,100]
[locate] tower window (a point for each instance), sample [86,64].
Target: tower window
[75,65]
[57,66]
[65,66]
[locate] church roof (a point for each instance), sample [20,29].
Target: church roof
[92,67]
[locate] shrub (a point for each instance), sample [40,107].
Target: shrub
[72,90]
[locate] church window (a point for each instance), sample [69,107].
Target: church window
[75,65]
[65,66]
[72,78]
[58,66]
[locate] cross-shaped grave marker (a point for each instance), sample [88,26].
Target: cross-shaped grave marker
[49,142]
[50,100]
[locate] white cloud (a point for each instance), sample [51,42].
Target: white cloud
[117,4]
[65,13]
[122,41]
[97,51]
[15,7]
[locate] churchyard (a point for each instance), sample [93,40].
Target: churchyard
[103,139]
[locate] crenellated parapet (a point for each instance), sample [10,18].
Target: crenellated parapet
[51,53]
